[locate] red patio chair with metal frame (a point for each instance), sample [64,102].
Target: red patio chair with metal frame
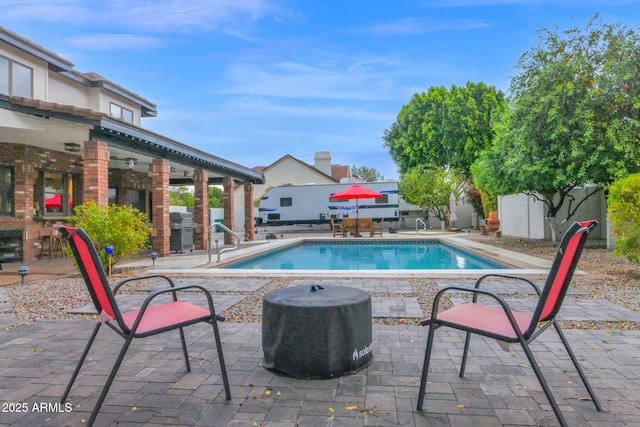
[150,319]
[510,326]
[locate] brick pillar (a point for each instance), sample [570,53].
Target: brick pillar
[249,231]
[95,183]
[161,234]
[201,209]
[228,186]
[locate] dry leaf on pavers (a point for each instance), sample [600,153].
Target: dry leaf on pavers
[351,408]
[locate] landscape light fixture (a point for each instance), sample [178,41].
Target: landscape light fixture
[154,256]
[23,271]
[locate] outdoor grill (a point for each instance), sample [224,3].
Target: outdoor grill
[181,224]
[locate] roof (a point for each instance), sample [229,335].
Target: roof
[65,67]
[118,133]
[264,169]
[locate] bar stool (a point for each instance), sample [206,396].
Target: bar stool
[51,244]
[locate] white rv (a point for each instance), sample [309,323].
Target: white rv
[313,204]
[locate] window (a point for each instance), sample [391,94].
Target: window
[55,193]
[6,190]
[136,199]
[15,78]
[121,113]
[382,200]
[286,201]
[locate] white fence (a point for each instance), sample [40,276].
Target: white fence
[524,216]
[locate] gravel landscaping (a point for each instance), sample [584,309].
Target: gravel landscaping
[611,278]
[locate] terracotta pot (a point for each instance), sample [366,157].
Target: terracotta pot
[493,223]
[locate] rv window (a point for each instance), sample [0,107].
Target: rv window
[286,201]
[273,217]
[382,200]
[332,200]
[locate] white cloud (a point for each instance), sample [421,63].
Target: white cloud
[410,26]
[116,41]
[176,16]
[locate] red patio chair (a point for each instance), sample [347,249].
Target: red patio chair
[510,326]
[147,321]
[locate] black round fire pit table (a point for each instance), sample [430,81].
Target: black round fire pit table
[314,332]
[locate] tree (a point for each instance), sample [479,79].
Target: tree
[181,196]
[447,128]
[430,187]
[574,117]
[216,197]
[366,174]
[623,208]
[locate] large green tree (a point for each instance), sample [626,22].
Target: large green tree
[430,188]
[447,128]
[574,117]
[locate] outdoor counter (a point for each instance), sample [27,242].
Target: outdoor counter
[317,331]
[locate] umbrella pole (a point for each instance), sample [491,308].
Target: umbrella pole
[357,217]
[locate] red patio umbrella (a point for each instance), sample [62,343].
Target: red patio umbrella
[357,192]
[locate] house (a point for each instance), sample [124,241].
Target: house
[67,137]
[289,170]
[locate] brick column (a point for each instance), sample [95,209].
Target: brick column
[249,231]
[161,234]
[228,186]
[95,184]
[201,209]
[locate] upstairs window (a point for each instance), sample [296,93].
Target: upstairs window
[6,191]
[121,113]
[15,78]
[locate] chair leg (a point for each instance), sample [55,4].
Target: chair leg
[112,376]
[80,362]
[463,365]
[425,366]
[583,377]
[223,368]
[184,350]
[543,383]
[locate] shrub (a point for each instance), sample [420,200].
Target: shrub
[123,227]
[624,214]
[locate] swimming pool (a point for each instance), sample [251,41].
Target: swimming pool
[368,255]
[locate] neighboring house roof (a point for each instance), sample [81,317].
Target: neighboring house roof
[340,171]
[282,159]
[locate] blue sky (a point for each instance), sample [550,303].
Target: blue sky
[253,80]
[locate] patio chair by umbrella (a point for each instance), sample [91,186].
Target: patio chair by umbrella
[357,192]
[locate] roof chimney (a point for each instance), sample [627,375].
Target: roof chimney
[323,162]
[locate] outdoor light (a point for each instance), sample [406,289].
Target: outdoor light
[216,242]
[131,162]
[71,147]
[109,250]
[23,271]
[154,256]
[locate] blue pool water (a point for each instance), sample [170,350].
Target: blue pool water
[411,255]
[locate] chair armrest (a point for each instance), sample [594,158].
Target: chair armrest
[505,276]
[133,279]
